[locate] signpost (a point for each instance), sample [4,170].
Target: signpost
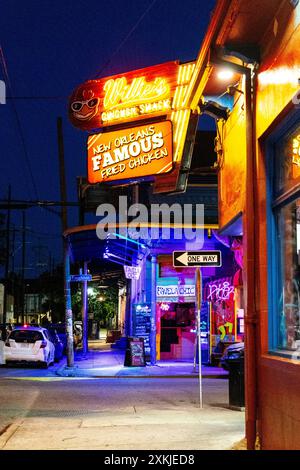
[198,281]
[193,259]
[84,278]
[197,259]
[80,277]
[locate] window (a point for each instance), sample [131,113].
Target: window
[25,336]
[285,250]
[288,223]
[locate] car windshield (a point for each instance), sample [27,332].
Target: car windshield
[26,336]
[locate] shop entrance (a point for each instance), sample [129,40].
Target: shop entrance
[177,330]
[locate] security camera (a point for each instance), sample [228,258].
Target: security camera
[214,109]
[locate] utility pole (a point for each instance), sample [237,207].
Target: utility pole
[66,247]
[6,263]
[51,277]
[23,263]
[68,305]
[13,269]
[62,174]
[84,311]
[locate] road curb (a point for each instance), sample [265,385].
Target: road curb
[72,373]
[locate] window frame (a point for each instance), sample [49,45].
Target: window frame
[274,204]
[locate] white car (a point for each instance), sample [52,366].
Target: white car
[29,344]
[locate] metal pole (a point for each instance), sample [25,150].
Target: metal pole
[84,311]
[23,263]
[62,174]
[6,263]
[153,312]
[68,305]
[249,271]
[198,303]
[128,314]
[13,271]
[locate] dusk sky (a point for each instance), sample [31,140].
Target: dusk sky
[50,47]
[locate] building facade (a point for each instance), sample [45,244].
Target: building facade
[258,163]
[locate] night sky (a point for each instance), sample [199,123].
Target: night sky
[50,47]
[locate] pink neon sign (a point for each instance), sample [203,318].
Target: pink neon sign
[220,291]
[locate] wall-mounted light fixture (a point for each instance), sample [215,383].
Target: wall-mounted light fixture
[225,74]
[214,109]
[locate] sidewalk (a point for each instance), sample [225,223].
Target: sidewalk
[108,362]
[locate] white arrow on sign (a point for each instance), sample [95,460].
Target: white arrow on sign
[197,258]
[183,259]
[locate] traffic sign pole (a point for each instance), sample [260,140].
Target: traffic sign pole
[195,259]
[198,302]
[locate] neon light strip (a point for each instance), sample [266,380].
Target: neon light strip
[182,94]
[185,72]
[129,239]
[179,75]
[164,168]
[175,99]
[92,140]
[182,124]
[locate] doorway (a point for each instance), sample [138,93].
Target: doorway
[177,330]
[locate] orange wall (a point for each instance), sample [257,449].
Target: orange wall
[233,163]
[279,404]
[278,379]
[279,72]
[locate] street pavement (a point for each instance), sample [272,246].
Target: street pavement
[110,363]
[100,404]
[117,413]
[102,361]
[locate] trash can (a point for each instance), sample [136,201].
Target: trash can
[234,359]
[236,384]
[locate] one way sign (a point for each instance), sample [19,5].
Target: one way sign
[188,259]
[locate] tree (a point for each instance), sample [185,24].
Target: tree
[102,303]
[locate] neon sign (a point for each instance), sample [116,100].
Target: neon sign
[221,291]
[127,97]
[136,152]
[159,91]
[175,291]
[118,93]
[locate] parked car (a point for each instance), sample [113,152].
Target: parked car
[58,345]
[61,332]
[29,344]
[234,352]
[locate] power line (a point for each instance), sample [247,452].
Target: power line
[19,126]
[36,97]
[125,39]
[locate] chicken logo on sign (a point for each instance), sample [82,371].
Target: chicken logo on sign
[84,105]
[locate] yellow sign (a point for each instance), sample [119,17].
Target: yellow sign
[131,153]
